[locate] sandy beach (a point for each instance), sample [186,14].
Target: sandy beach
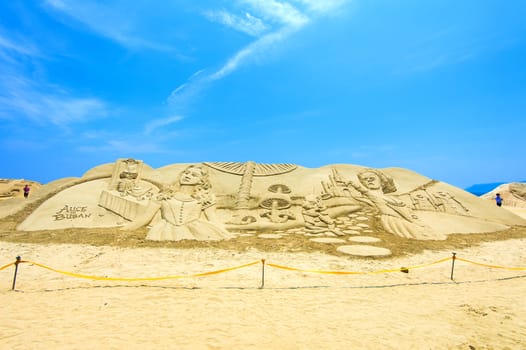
[107,288]
[262,175]
[481,308]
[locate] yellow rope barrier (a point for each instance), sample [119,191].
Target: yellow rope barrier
[413,267]
[357,272]
[202,274]
[7,265]
[491,266]
[316,271]
[101,278]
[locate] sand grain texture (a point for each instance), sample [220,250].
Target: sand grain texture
[423,309]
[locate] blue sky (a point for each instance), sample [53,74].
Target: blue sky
[438,87]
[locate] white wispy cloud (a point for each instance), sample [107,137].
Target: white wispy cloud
[113,20]
[24,95]
[251,52]
[187,92]
[289,18]
[248,24]
[279,11]
[19,47]
[159,123]
[322,6]
[21,97]
[282,20]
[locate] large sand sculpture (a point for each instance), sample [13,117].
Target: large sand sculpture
[225,200]
[513,194]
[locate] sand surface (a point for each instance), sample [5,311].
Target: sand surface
[483,308]
[516,210]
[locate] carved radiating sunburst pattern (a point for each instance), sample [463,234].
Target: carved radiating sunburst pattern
[238,168]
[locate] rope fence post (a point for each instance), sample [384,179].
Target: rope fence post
[262,273]
[18,258]
[453,264]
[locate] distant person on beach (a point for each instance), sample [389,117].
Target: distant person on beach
[26,190]
[498,200]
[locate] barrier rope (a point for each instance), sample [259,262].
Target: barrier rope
[102,278]
[414,267]
[277,266]
[7,265]
[316,271]
[491,266]
[401,269]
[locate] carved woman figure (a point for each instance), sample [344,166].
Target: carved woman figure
[396,217]
[187,210]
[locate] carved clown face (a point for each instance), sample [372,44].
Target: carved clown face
[370,180]
[191,176]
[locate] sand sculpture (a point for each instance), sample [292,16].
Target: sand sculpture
[10,188]
[513,194]
[187,210]
[219,201]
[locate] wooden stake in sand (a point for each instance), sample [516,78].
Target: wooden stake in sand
[453,264]
[262,273]
[18,258]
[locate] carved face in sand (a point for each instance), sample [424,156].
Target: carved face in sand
[191,176]
[370,180]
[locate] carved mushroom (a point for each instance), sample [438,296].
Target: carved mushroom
[248,171]
[276,202]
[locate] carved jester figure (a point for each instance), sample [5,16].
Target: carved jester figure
[187,210]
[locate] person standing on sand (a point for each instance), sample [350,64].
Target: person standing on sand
[498,200]
[26,190]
